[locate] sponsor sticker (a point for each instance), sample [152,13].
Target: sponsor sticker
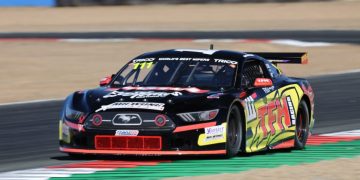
[250,108]
[225,61]
[291,110]
[268,89]
[126,132]
[215,130]
[141,94]
[213,135]
[133,105]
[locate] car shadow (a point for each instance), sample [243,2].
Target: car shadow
[82,157]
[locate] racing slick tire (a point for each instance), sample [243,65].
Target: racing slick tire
[234,132]
[302,125]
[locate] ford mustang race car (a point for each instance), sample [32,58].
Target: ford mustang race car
[191,102]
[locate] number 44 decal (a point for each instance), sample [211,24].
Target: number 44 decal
[275,111]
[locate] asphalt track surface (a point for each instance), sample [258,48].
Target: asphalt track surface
[331,36]
[29,132]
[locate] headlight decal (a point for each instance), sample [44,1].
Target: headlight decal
[199,115]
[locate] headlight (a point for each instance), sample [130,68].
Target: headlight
[74,115]
[199,115]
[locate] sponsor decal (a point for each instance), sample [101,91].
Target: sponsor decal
[183,59]
[268,89]
[143,60]
[275,111]
[225,61]
[291,110]
[126,132]
[141,94]
[215,130]
[213,135]
[191,89]
[127,119]
[250,108]
[133,105]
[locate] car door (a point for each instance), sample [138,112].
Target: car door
[259,106]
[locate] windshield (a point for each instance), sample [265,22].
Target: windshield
[179,72]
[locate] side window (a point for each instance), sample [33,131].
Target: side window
[273,71]
[252,69]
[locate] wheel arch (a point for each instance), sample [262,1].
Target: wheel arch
[238,104]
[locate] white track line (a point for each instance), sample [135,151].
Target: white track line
[297,43]
[46,173]
[30,102]
[352,133]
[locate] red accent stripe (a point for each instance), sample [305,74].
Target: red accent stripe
[286,144]
[119,152]
[194,127]
[318,139]
[78,127]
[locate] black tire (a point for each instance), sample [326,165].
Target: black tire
[234,133]
[302,125]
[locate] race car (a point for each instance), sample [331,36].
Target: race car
[191,102]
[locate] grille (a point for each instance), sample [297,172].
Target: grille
[134,143]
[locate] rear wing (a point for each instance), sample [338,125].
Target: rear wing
[286,58]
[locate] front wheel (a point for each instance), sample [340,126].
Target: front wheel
[302,125]
[234,136]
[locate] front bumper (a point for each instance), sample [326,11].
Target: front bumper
[183,140]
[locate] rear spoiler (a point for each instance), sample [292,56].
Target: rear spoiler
[286,58]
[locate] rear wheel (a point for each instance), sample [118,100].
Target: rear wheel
[234,136]
[302,125]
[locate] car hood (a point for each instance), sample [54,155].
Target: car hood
[149,99]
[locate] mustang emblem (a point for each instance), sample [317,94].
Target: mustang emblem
[126,118]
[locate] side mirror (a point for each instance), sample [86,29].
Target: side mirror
[105,81]
[263,82]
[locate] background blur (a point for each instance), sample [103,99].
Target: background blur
[125,2]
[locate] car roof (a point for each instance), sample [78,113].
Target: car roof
[218,54]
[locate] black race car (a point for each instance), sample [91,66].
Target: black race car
[191,102]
